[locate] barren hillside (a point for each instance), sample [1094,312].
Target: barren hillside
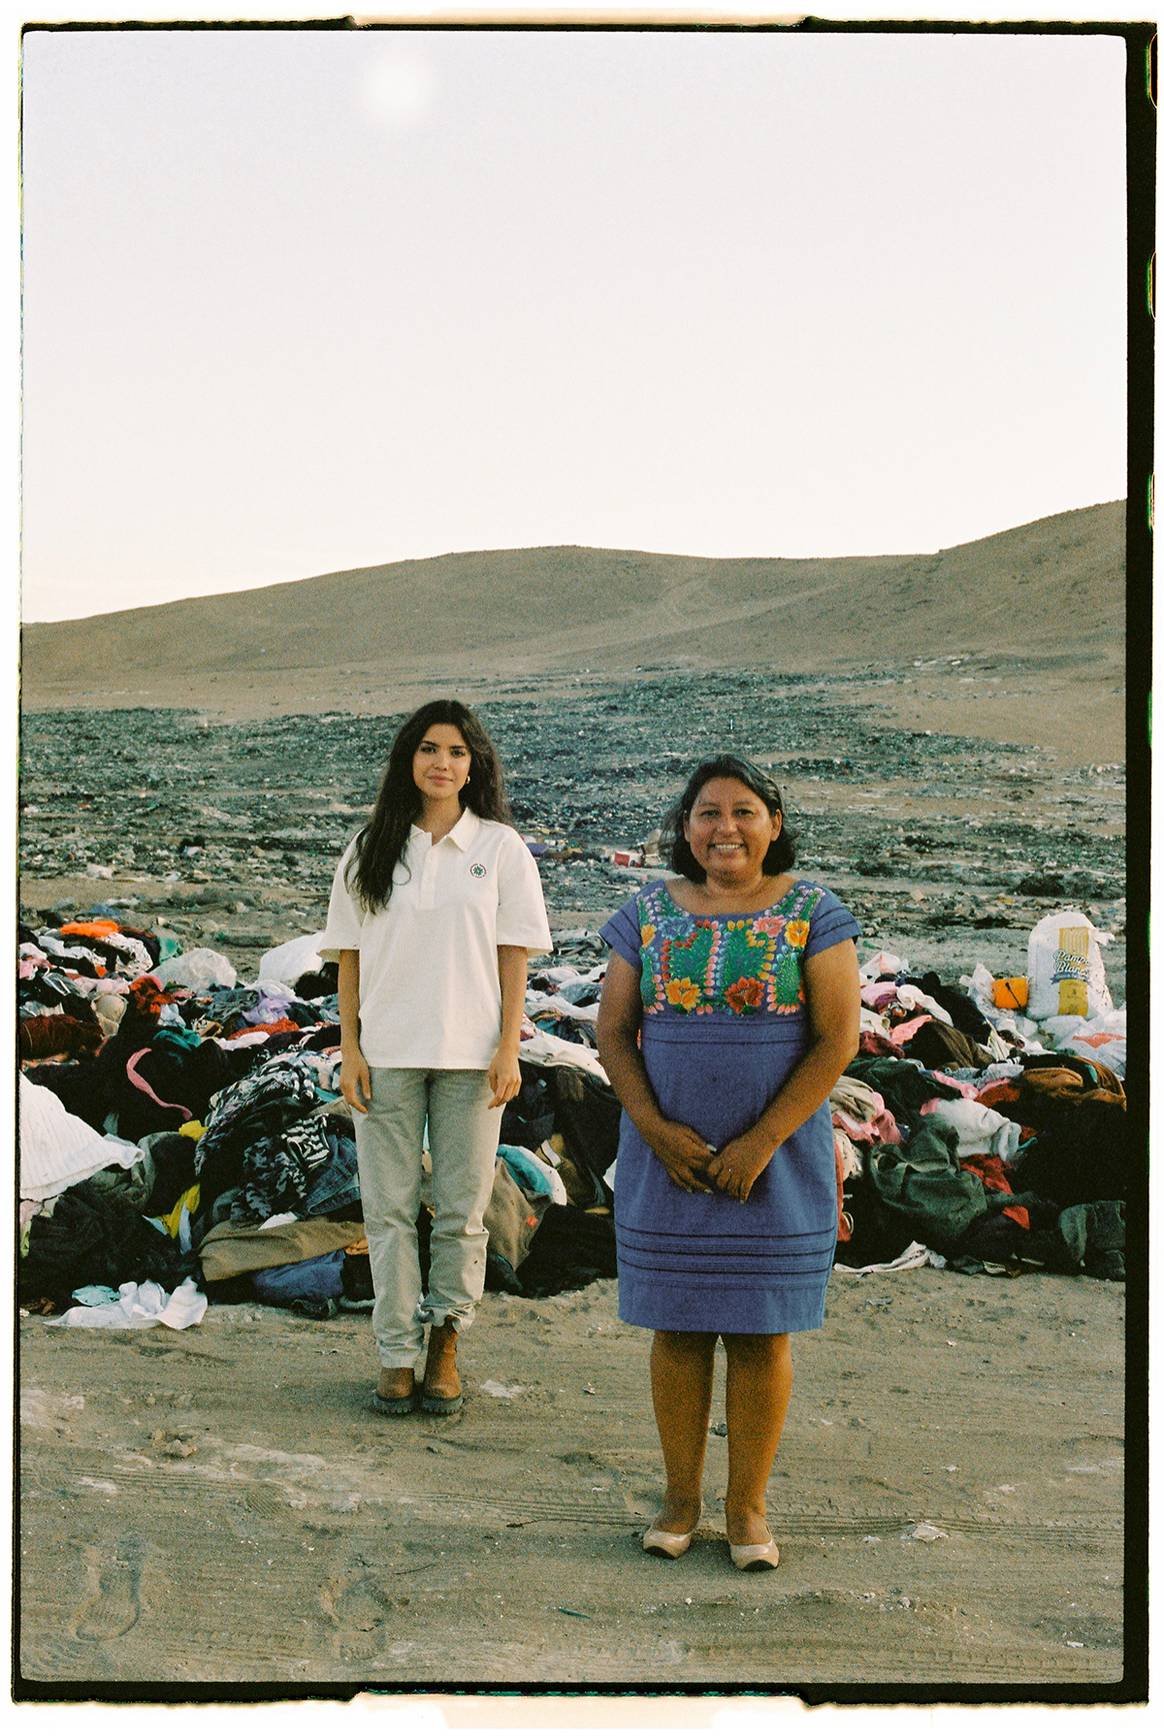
[1051,592]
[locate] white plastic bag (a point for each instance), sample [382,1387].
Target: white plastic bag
[1065,968]
[295,958]
[201,969]
[1103,1038]
[980,987]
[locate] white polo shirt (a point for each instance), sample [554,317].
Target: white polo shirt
[430,995]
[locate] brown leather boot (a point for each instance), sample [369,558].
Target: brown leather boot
[395,1394]
[442,1383]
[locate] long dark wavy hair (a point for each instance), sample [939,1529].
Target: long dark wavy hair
[781,852]
[381,843]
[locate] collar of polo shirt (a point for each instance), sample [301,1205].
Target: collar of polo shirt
[462,834]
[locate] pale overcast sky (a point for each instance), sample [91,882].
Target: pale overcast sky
[300,301]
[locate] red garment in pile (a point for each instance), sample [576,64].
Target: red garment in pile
[147,997]
[988,1168]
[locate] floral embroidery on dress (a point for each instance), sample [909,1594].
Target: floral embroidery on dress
[745,992]
[715,964]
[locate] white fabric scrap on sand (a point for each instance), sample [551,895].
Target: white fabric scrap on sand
[914,1255]
[140,1305]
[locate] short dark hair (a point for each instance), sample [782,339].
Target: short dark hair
[781,853]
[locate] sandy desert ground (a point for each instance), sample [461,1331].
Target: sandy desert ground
[222,1506]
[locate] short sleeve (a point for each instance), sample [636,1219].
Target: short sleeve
[344,915]
[521,906]
[830,923]
[622,933]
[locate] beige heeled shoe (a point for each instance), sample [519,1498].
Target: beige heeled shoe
[672,1544]
[752,1555]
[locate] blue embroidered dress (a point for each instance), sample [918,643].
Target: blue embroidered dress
[724,1023]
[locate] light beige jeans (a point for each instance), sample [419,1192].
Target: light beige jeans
[462,1139]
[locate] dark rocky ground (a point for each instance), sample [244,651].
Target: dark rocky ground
[947,848]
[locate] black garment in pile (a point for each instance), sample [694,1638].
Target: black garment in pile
[100,1086]
[80,1085]
[528,1118]
[964,1012]
[571,1249]
[574,1103]
[173,1155]
[1000,1239]
[327,1037]
[586,1114]
[1084,1239]
[1091,1238]
[356,1277]
[183,1077]
[879,1234]
[314,985]
[51,989]
[116,963]
[1082,1155]
[94,1237]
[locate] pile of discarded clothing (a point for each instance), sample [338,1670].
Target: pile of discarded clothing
[181,1133]
[563,1001]
[972,1134]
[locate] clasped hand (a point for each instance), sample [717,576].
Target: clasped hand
[735,1167]
[696,1168]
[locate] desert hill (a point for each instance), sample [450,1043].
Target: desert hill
[1051,591]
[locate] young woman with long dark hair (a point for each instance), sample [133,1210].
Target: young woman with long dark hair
[434,909]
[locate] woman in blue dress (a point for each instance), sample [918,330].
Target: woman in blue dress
[730,1008]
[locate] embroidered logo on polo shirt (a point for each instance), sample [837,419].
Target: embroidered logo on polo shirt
[478,870]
